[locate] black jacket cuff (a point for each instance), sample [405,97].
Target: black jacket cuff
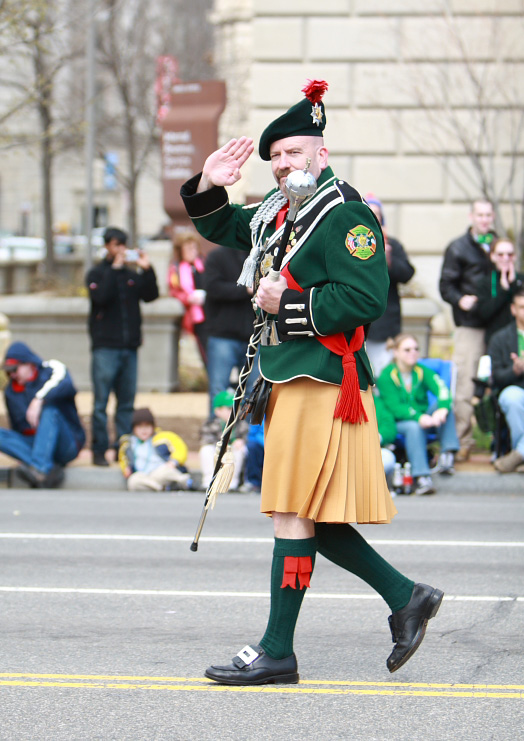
[205,203]
[294,315]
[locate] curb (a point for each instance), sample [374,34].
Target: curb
[87,478]
[82,478]
[480,483]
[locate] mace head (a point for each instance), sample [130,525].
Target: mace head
[300,184]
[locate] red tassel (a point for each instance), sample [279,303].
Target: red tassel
[314,90]
[349,403]
[305,567]
[289,578]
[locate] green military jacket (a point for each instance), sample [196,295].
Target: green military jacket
[340,266]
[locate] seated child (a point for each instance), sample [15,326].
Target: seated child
[152,460]
[211,433]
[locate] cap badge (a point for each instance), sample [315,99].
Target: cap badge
[316,114]
[361,242]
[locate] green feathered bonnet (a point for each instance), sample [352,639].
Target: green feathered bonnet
[306,118]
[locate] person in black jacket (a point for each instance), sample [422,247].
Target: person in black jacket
[115,329]
[506,350]
[400,270]
[466,260]
[496,290]
[46,432]
[229,319]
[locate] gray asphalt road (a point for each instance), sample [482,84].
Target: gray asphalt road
[107,622]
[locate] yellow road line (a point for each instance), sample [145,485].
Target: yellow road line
[307,687]
[333,682]
[270,689]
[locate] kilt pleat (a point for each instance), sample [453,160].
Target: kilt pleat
[319,467]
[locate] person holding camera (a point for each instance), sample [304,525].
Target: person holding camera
[115,291]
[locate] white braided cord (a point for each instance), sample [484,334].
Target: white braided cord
[267,211]
[264,215]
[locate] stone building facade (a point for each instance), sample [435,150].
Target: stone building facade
[422,93]
[425,101]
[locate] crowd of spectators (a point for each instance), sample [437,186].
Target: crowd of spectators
[479,279]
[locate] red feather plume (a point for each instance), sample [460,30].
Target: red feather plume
[315,90]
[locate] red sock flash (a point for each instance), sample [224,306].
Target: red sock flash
[294,566]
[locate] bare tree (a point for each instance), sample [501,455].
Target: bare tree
[191,38]
[131,36]
[471,98]
[38,40]
[42,67]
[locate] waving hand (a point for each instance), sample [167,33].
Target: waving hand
[223,166]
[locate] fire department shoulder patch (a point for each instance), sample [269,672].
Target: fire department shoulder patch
[361,242]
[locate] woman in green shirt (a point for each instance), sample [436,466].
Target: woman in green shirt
[403,387]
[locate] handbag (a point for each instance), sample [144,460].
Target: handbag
[485,413]
[255,404]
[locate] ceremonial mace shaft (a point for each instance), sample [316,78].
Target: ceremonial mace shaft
[233,417]
[299,186]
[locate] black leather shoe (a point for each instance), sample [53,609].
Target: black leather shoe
[38,479]
[253,666]
[29,475]
[408,626]
[99,459]
[54,478]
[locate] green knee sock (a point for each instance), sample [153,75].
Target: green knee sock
[344,545]
[286,601]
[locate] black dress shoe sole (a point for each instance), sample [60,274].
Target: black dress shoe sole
[244,679]
[432,607]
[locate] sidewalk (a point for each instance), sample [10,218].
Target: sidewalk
[185,412]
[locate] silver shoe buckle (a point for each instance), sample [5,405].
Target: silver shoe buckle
[248,655]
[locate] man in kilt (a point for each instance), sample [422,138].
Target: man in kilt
[323,467]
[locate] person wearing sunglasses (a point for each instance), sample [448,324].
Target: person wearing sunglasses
[496,290]
[403,387]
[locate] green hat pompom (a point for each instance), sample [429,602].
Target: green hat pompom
[306,118]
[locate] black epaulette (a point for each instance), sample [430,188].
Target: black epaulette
[347,191]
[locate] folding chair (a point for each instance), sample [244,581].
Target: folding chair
[489,415]
[446,369]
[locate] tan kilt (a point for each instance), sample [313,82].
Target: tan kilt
[319,467]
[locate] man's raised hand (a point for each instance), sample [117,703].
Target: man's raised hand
[223,166]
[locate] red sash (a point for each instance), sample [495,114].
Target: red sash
[349,403]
